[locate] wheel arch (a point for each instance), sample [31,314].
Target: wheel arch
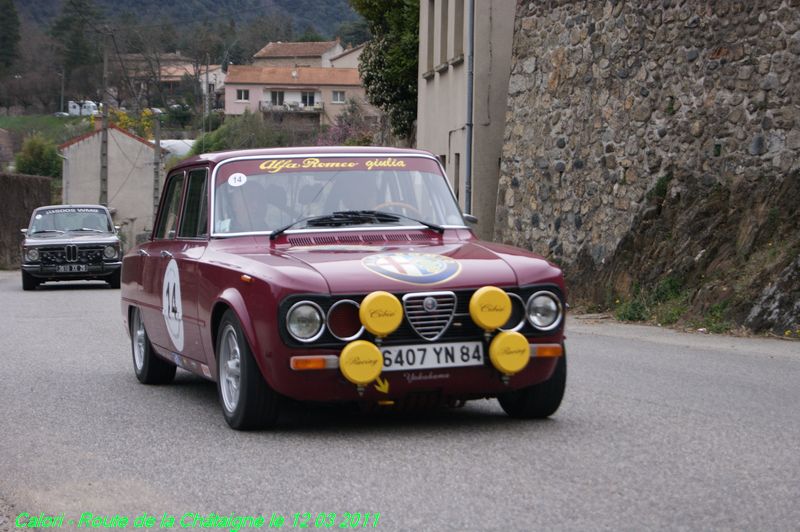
[231,299]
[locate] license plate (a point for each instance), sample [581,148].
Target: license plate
[432,356]
[71,268]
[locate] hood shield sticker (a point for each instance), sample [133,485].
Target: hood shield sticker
[413,268]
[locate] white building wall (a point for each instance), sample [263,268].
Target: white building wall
[442,95]
[130,179]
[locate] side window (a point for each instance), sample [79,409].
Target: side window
[168,217]
[194,219]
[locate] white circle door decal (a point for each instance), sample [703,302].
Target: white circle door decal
[171,306]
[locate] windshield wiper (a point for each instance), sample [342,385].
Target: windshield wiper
[339,218]
[47,231]
[88,229]
[430,225]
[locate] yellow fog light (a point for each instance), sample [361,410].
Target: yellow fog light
[380,313]
[509,352]
[361,362]
[490,307]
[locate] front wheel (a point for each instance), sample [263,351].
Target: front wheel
[113,281]
[149,368]
[247,400]
[539,400]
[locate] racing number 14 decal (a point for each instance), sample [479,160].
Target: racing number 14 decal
[171,304]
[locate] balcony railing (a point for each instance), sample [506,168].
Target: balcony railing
[295,107]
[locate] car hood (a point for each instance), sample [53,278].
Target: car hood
[351,269]
[55,239]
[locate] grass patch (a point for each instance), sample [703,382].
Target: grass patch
[665,303]
[659,191]
[54,128]
[716,318]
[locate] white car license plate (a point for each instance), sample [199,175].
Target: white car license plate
[432,356]
[71,268]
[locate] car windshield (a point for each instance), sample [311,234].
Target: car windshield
[63,219]
[269,194]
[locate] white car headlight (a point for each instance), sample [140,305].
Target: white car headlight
[304,321]
[32,255]
[544,310]
[109,252]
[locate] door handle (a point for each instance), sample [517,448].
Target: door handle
[165,253]
[143,253]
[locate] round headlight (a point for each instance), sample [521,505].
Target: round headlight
[544,311]
[304,321]
[110,252]
[32,255]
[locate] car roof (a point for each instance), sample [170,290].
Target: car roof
[217,157]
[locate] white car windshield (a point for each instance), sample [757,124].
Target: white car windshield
[267,195]
[63,219]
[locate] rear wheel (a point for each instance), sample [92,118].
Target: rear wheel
[29,282]
[247,400]
[149,368]
[539,400]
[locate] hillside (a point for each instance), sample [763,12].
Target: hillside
[323,16]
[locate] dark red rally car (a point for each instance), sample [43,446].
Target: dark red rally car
[338,274]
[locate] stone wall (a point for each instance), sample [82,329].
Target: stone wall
[21,194]
[616,105]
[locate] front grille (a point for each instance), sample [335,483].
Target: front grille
[429,314]
[72,253]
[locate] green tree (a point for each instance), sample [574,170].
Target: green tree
[38,156]
[9,34]
[239,132]
[388,64]
[75,30]
[354,32]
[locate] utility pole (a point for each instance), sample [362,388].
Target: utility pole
[156,165]
[104,132]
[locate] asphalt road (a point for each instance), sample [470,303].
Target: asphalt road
[658,430]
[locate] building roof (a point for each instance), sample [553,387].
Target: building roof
[295,49]
[90,134]
[294,76]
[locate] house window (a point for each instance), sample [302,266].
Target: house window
[277,98]
[431,34]
[458,29]
[443,27]
[308,99]
[338,97]
[242,95]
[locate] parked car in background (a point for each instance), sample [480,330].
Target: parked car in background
[338,274]
[70,242]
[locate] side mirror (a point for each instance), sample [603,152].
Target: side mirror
[470,219]
[23,231]
[117,227]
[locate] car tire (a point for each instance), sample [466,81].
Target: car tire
[247,401]
[29,282]
[113,281]
[149,368]
[539,400]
